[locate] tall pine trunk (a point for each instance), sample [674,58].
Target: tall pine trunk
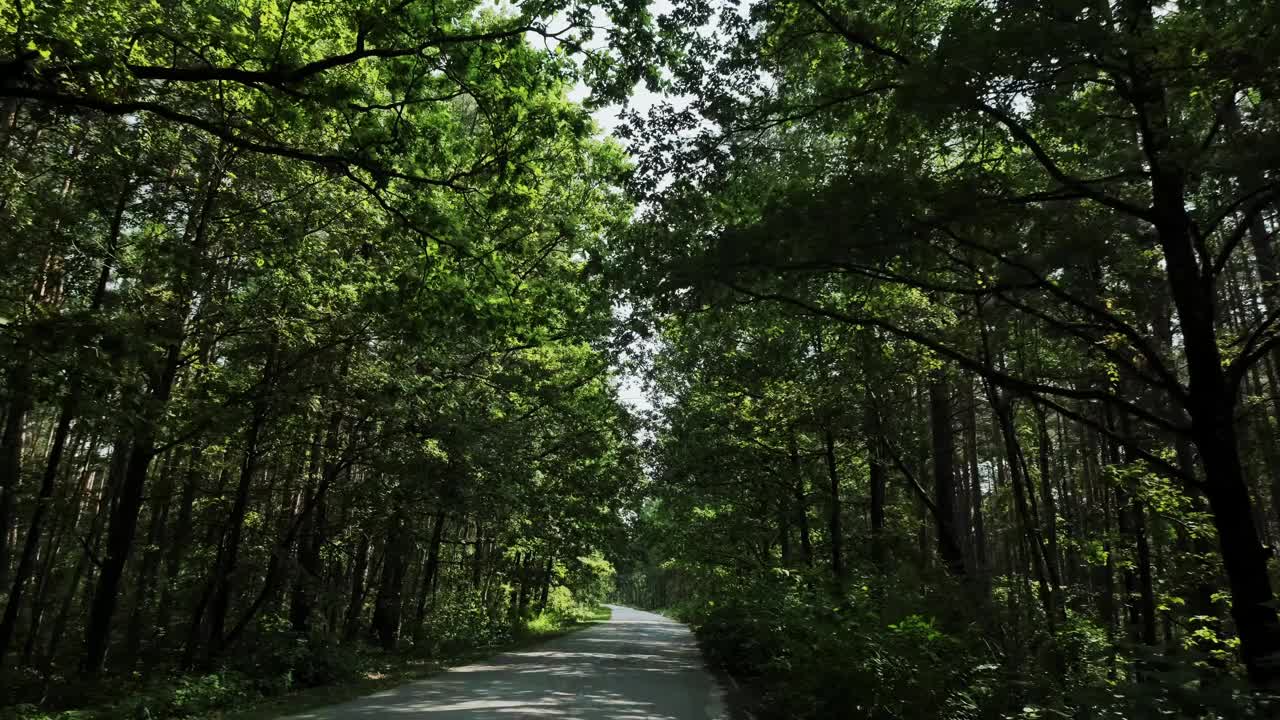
[834,525]
[944,476]
[66,414]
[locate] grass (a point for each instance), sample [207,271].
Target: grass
[545,626]
[600,613]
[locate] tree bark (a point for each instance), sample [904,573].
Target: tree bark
[355,603]
[124,519]
[877,478]
[975,488]
[799,492]
[546,585]
[150,561]
[62,431]
[1044,449]
[312,537]
[944,475]
[1050,587]
[387,605]
[1210,401]
[229,554]
[11,441]
[432,566]
[180,537]
[834,525]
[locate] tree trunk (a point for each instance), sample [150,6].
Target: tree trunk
[229,554]
[109,482]
[784,532]
[432,566]
[387,605]
[124,519]
[1212,409]
[67,413]
[834,525]
[944,476]
[180,538]
[11,457]
[876,477]
[312,540]
[971,455]
[1210,401]
[546,585]
[355,604]
[1050,589]
[799,493]
[57,538]
[1043,451]
[477,559]
[150,560]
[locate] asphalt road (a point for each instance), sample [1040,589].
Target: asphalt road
[636,666]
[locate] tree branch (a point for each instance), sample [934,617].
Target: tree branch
[326,160]
[982,369]
[283,76]
[856,38]
[1046,161]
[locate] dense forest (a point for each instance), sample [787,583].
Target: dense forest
[958,322]
[301,349]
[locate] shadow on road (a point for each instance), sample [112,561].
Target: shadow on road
[637,666]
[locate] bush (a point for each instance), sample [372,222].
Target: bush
[198,696]
[808,659]
[563,611]
[458,623]
[284,661]
[593,579]
[808,654]
[560,601]
[178,698]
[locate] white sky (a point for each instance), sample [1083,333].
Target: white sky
[630,388]
[641,97]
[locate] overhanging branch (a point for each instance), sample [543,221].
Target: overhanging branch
[966,362]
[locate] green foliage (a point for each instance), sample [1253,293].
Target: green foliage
[282,662]
[810,660]
[459,622]
[591,579]
[181,698]
[563,612]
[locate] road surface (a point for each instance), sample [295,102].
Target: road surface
[636,666]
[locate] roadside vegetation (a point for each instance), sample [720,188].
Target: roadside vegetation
[290,676]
